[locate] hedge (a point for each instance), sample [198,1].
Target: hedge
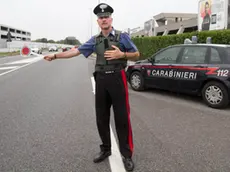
[150,45]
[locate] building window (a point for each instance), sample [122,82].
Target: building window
[4,28]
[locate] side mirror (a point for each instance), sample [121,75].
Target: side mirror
[150,59]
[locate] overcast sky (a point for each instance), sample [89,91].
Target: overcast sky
[57,19]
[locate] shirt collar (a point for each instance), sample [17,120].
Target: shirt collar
[111,33]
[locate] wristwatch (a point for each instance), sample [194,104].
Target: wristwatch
[55,56]
[125,57]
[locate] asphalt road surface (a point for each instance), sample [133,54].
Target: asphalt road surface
[47,123]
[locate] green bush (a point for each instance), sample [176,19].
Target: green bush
[150,45]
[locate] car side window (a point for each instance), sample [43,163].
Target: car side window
[194,55]
[168,56]
[215,57]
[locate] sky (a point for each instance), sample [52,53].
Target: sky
[58,19]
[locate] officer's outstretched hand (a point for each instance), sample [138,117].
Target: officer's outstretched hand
[113,54]
[49,57]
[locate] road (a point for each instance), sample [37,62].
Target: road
[47,123]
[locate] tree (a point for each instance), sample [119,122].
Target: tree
[44,40]
[68,40]
[9,36]
[51,41]
[72,41]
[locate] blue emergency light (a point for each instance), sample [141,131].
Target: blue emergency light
[208,40]
[194,39]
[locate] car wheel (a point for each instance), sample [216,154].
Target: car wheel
[136,81]
[215,95]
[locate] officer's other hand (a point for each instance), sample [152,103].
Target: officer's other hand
[113,54]
[49,57]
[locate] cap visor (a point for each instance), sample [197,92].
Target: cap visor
[103,14]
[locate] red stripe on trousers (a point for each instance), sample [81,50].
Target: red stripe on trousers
[128,110]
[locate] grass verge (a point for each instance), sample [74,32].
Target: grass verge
[4,54]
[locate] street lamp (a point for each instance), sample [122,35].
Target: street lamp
[98,26]
[91,23]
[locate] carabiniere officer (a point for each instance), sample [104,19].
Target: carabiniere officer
[113,48]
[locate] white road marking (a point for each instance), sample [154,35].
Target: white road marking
[115,159]
[31,62]
[24,61]
[8,67]
[93,84]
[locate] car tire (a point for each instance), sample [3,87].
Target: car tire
[210,92]
[136,81]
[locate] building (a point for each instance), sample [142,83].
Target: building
[138,31]
[175,23]
[17,34]
[168,23]
[19,38]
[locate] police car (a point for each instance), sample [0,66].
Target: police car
[200,69]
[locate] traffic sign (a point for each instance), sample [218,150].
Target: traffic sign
[25,51]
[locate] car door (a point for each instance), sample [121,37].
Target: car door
[192,68]
[160,73]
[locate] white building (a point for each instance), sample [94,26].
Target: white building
[168,23]
[19,38]
[17,34]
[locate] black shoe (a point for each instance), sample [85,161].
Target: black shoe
[102,156]
[128,163]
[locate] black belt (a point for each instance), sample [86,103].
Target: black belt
[108,68]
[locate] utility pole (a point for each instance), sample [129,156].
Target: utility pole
[91,23]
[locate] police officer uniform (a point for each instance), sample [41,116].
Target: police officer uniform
[111,89]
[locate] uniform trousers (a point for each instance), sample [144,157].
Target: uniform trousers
[112,91]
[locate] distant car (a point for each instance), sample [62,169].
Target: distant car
[53,48]
[36,50]
[199,69]
[66,49]
[69,48]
